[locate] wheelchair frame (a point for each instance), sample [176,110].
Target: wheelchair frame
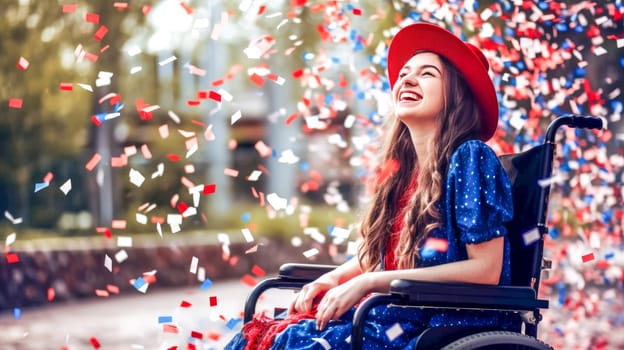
[519,297]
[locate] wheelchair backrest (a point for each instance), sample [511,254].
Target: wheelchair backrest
[524,170]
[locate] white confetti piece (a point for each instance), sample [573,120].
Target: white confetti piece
[124,241]
[159,229]
[190,211]
[10,239]
[194,264]
[174,117]
[558,178]
[174,219]
[530,236]
[86,87]
[175,228]
[235,117]
[254,176]
[276,201]
[310,252]
[160,171]
[288,157]
[247,235]
[394,331]
[66,187]
[133,51]
[136,178]
[263,149]
[108,263]
[324,343]
[167,60]
[141,218]
[135,69]
[13,220]
[121,256]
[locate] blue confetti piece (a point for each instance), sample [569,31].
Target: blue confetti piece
[304,166]
[206,284]
[231,324]
[138,283]
[165,319]
[609,255]
[246,217]
[17,313]
[307,56]
[40,186]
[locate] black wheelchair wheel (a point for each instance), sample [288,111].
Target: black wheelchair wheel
[495,340]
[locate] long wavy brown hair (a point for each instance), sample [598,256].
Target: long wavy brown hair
[458,122]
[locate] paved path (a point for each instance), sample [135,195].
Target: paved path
[131,321]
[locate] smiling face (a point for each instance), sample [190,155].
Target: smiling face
[418,93]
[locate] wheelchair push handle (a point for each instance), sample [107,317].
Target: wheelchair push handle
[574,121]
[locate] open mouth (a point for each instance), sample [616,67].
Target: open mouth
[409,96]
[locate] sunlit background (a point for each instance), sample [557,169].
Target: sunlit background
[170,145]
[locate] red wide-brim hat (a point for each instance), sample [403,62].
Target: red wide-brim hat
[467,58]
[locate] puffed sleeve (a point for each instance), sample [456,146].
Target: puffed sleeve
[479,193]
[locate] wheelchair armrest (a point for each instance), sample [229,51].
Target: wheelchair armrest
[304,272]
[290,276]
[467,295]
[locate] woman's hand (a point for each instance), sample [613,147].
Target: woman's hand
[340,299]
[311,291]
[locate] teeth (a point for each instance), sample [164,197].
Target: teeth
[410,96]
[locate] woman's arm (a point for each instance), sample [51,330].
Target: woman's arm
[484,265]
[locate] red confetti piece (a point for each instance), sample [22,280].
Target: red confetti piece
[588,257]
[15,103]
[48,177]
[92,18]
[169,328]
[185,303]
[93,162]
[210,188]
[12,258]
[193,102]
[256,79]
[357,12]
[298,73]
[261,10]
[95,343]
[186,7]
[51,294]
[291,118]
[213,301]
[217,82]
[23,63]
[95,120]
[112,288]
[70,8]
[213,95]
[182,207]
[146,9]
[66,86]
[100,33]
[197,335]
[249,280]
[258,271]
[107,233]
[173,157]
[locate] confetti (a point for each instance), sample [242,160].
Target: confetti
[263,149]
[93,162]
[247,235]
[23,63]
[165,319]
[311,252]
[276,201]
[213,301]
[194,263]
[66,187]
[588,257]
[235,117]
[12,258]
[249,280]
[108,263]
[323,342]
[206,284]
[10,239]
[136,178]
[17,313]
[121,256]
[15,103]
[393,332]
[124,241]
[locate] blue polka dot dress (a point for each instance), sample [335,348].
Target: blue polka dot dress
[476,203]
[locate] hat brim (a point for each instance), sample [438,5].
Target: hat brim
[468,61]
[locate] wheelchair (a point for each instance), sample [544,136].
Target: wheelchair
[525,232]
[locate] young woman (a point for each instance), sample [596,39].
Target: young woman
[450,188]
